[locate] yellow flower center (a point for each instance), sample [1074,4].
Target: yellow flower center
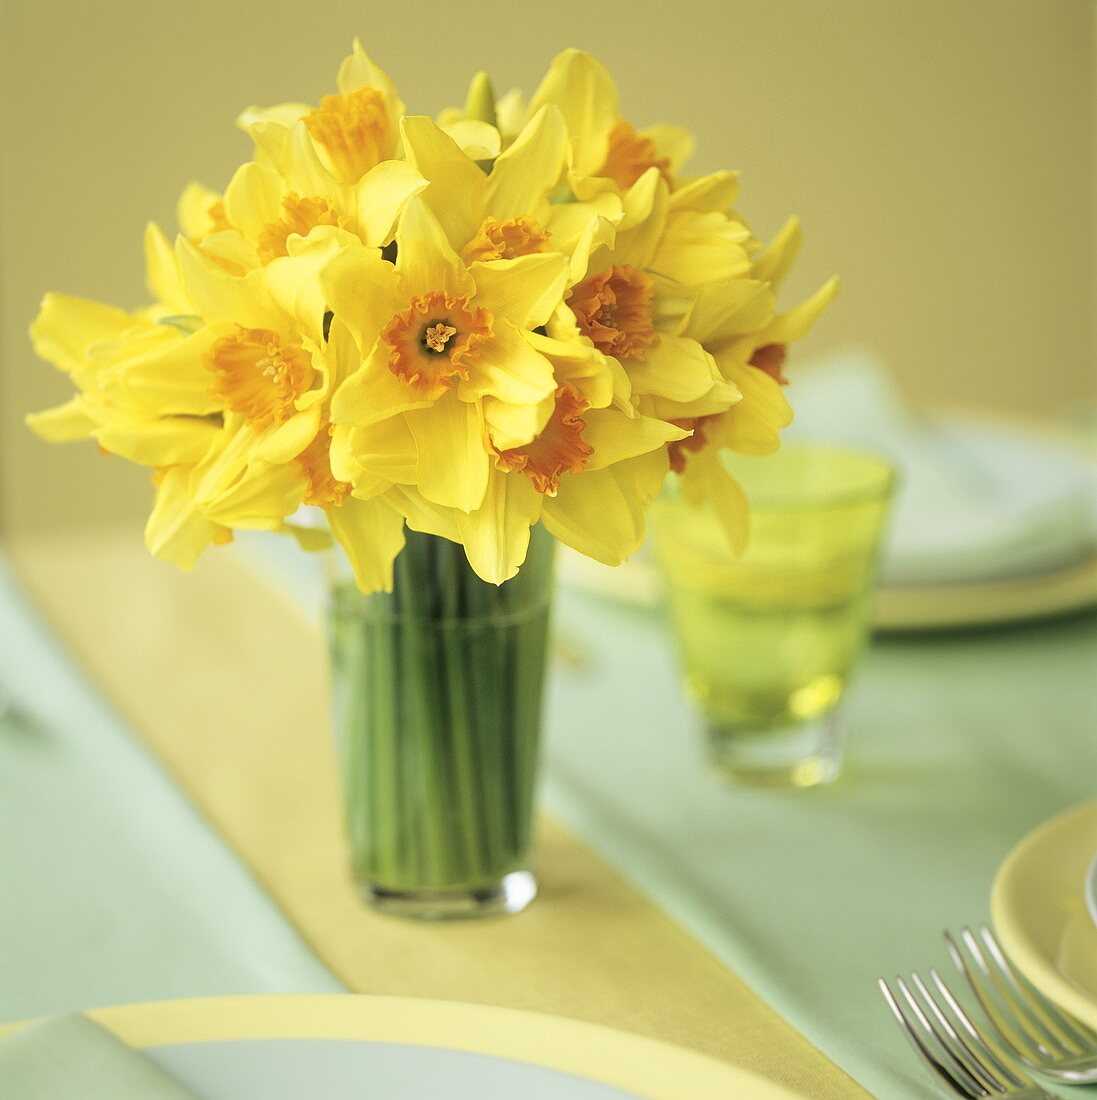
[629,156]
[323,491]
[299,215]
[435,340]
[438,335]
[354,130]
[771,358]
[259,376]
[497,240]
[614,309]
[559,449]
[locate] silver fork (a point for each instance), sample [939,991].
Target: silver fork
[1036,1032]
[956,1051]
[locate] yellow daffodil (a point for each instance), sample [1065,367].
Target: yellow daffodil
[263,208]
[509,317]
[626,300]
[351,131]
[510,209]
[445,344]
[605,150]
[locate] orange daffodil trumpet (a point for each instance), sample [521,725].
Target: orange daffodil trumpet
[515,315]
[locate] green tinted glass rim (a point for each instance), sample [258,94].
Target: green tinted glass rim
[879,490]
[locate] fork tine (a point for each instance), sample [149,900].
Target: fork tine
[1017,1009]
[1074,1030]
[936,1067]
[1014,1076]
[959,1046]
[1018,1042]
[958,1066]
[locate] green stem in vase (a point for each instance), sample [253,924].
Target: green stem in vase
[438,689]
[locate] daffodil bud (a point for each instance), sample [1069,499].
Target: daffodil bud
[480,103]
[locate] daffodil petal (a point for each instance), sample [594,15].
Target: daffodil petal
[510,369]
[457,185]
[425,261]
[524,290]
[176,530]
[162,271]
[284,442]
[587,97]
[597,377]
[675,143]
[729,310]
[774,264]
[259,500]
[452,464]
[63,423]
[371,533]
[374,393]
[617,438]
[193,212]
[253,198]
[753,426]
[359,70]
[496,535]
[522,177]
[707,479]
[173,379]
[794,325]
[294,281]
[717,191]
[361,289]
[218,296]
[380,195]
[385,450]
[678,369]
[476,139]
[66,326]
[425,516]
[600,513]
[509,426]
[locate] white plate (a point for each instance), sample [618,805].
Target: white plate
[394,1048]
[1053,575]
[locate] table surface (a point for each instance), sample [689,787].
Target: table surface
[958,745]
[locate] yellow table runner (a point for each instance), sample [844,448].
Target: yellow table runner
[225,679]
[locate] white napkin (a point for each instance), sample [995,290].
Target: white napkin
[978,500]
[72,1058]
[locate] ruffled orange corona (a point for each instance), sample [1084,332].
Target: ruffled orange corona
[299,215]
[259,376]
[324,490]
[614,309]
[354,130]
[505,240]
[771,359]
[435,340]
[559,449]
[630,155]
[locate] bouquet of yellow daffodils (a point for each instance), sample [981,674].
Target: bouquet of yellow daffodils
[510,315]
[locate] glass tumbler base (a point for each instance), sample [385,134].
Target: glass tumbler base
[511,894]
[807,754]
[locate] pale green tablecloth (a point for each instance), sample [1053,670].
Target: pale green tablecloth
[959,745]
[71,1058]
[112,888]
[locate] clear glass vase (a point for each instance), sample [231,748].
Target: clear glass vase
[437,691]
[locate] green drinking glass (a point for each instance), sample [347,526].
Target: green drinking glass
[769,638]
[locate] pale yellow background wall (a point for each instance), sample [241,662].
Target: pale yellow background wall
[940,152]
